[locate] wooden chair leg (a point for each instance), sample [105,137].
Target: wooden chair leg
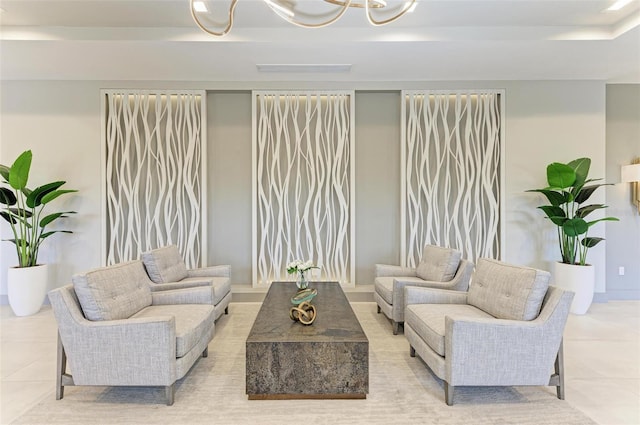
[61,367]
[559,369]
[396,327]
[448,393]
[169,392]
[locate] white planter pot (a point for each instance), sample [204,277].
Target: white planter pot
[27,287]
[578,279]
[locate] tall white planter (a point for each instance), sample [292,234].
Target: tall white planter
[578,279]
[27,287]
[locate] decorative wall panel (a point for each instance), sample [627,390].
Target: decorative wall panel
[153,173]
[452,173]
[303,184]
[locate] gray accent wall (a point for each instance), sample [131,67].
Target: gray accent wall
[546,121]
[623,237]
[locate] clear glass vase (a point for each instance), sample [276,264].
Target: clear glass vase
[302,282]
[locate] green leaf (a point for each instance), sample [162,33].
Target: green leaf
[53,232]
[560,175]
[7,197]
[581,167]
[575,226]
[555,214]
[590,242]
[18,242]
[51,217]
[586,210]
[8,217]
[591,223]
[4,172]
[20,213]
[555,198]
[34,198]
[53,195]
[586,192]
[19,171]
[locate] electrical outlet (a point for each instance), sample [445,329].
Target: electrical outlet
[621,271]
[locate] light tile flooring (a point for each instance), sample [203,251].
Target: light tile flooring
[602,358]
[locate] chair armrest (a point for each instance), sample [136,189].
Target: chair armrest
[212,271]
[156,287]
[418,295]
[136,351]
[197,295]
[487,351]
[386,270]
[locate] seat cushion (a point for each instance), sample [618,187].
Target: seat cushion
[384,287]
[221,286]
[438,264]
[193,322]
[428,321]
[506,291]
[114,292]
[165,264]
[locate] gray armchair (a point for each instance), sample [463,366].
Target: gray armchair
[507,330]
[167,271]
[439,268]
[115,332]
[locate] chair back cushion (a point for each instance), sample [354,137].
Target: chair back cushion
[438,264]
[113,293]
[165,264]
[507,291]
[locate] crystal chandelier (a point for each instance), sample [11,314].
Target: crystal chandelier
[286,11]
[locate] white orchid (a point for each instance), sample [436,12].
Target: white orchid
[299,266]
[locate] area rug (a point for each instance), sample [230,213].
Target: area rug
[402,390]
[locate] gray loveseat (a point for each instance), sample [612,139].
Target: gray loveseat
[507,330]
[167,271]
[439,267]
[115,332]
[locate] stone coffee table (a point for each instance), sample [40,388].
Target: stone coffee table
[288,360]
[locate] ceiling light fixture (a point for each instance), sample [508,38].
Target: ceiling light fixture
[618,5]
[291,15]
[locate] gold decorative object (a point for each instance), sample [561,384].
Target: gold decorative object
[304,313]
[290,14]
[631,174]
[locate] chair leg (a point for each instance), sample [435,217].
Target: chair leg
[205,353]
[226,310]
[448,393]
[396,327]
[412,351]
[169,392]
[379,310]
[559,369]
[61,367]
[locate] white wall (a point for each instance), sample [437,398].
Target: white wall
[623,237]
[60,121]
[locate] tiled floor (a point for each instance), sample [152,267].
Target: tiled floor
[602,358]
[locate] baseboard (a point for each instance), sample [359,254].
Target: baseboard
[600,297]
[631,295]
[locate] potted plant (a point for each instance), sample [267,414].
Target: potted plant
[23,209]
[568,191]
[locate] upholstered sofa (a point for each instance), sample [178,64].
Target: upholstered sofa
[506,330]
[439,267]
[167,271]
[115,331]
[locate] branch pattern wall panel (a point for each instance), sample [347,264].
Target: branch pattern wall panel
[303,184]
[452,173]
[153,174]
